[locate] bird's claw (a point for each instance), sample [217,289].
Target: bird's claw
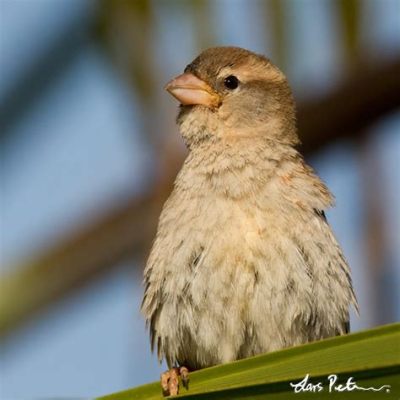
[170,380]
[184,372]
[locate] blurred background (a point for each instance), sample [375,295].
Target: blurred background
[89,149]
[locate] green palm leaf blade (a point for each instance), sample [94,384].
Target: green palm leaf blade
[371,357]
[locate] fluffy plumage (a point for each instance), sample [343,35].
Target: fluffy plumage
[244,261]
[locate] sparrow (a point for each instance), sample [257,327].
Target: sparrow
[244,261]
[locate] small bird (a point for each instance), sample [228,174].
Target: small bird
[244,261]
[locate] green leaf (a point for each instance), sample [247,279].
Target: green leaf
[371,357]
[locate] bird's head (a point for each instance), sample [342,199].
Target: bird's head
[232,92]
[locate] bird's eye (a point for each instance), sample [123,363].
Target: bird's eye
[231,82]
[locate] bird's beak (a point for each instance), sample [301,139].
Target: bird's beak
[189,89]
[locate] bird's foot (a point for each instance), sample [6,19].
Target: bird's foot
[170,380]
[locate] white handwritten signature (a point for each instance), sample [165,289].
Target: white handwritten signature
[349,386]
